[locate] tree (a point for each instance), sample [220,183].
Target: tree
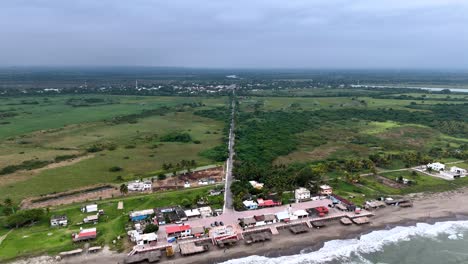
[161,176]
[24,217]
[9,204]
[123,189]
[150,228]
[186,203]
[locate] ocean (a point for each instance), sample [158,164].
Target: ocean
[439,243]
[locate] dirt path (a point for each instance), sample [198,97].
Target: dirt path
[5,236]
[23,175]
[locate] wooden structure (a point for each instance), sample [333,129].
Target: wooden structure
[346,221]
[151,257]
[192,248]
[298,229]
[257,237]
[361,220]
[318,224]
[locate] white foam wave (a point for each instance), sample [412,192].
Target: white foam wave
[372,242]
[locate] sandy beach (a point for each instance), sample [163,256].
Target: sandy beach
[427,208]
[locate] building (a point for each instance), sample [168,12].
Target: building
[256,185]
[84,234]
[143,239]
[326,190]
[250,205]
[249,221]
[300,214]
[167,215]
[270,218]
[141,215]
[436,166]
[178,231]
[91,219]
[458,171]
[192,213]
[90,208]
[301,194]
[283,216]
[187,184]
[267,203]
[59,220]
[198,231]
[205,211]
[140,186]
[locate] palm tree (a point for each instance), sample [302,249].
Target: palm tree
[9,204]
[123,189]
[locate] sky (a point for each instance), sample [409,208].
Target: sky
[236,34]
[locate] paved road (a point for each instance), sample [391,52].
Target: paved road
[228,206]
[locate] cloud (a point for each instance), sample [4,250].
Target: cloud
[243,33]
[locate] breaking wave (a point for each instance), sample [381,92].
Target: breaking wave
[342,250]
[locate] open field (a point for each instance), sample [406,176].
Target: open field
[66,131]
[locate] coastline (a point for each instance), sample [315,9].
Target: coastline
[428,208]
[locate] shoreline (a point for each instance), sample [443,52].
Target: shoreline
[428,208]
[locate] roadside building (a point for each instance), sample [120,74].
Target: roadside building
[301,194]
[198,231]
[192,213]
[283,216]
[249,221]
[205,211]
[250,205]
[326,190]
[267,203]
[436,166]
[300,214]
[259,220]
[140,186]
[270,219]
[59,220]
[178,231]
[143,239]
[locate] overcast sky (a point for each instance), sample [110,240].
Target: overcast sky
[236,33]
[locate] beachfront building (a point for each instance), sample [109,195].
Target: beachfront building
[436,166]
[59,220]
[249,221]
[141,215]
[140,186]
[283,216]
[250,205]
[256,185]
[326,190]
[84,234]
[270,219]
[221,234]
[198,231]
[301,194]
[300,214]
[178,231]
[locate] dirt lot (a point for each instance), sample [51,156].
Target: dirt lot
[193,178]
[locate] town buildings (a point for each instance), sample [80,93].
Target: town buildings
[59,220]
[301,194]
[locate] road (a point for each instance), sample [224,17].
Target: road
[228,206]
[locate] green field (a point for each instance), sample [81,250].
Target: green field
[52,128]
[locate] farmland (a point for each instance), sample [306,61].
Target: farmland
[55,129]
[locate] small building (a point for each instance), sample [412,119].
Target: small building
[301,194]
[91,219]
[178,231]
[143,239]
[257,185]
[192,213]
[141,215]
[458,171]
[301,214]
[270,218]
[436,166]
[198,231]
[187,184]
[140,186]
[267,203]
[326,190]
[249,221]
[283,216]
[205,211]
[259,220]
[250,205]
[90,208]
[59,220]
[84,234]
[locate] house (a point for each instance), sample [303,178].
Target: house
[250,205]
[84,234]
[198,231]
[187,184]
[91,219]
[143,239]
[167,215]
[326,190]
[249,221]
[178,231]
[140,186]
[205,211]
[192,213]
[458,171]
[141,215]
[267,203]
[301,194]
[283,216]
[436,166]
[270,218]
[256,185]
[90,208]
[259,220]
[59,220]
[300,213]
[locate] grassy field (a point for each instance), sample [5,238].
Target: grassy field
[67,130]
[25,241]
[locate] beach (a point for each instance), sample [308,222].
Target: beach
[427,208]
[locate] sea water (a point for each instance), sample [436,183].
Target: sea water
[439,243]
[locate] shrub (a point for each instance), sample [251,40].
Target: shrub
[150,228]
[177,137]
[115,169]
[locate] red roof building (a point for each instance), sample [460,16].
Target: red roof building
[178,230]
[85,234]
[267,203]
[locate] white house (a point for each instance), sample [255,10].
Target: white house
[251,205]
[59,220]
[140,186]
[436,166]
[205,211]
[91,219]
[90,208]
[301,194]
[457,170]
[326,190]
[192,213]
[142,239]
[256,185]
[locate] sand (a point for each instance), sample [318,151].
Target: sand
[427,208]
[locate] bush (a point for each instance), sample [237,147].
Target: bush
[22,218]
[150,228]
[161,176]
[115,169]
[197,142]
[177,137]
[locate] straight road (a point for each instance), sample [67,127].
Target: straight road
[228,206]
